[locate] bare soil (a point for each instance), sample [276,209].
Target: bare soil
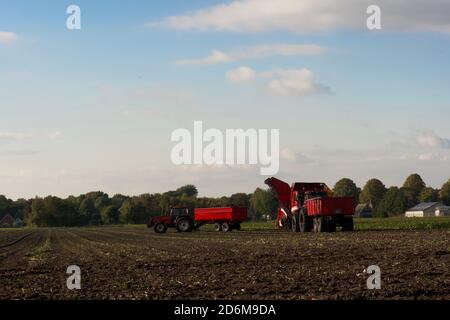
[135,263]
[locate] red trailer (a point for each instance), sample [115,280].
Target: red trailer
[224,219]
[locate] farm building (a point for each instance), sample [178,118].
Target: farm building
[7,221]
[428,209]
[442,211]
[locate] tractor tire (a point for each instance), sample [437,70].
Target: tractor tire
[185,225]
[347,225]
[160,228]
[226,227]
[217,227]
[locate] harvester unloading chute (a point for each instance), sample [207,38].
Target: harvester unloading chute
[283,191]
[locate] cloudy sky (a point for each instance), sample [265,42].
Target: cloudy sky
[94,109]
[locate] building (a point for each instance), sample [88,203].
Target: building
[427,209]
[7,221]
[442,211]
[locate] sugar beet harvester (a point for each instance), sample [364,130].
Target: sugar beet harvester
[224,219]
[306,206]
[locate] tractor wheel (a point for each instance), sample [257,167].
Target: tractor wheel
[347,225]
[160,228]
[217,227]
[226,227]
[185,225]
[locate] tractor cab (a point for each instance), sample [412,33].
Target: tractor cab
[176,212]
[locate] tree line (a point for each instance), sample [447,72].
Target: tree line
[98,208]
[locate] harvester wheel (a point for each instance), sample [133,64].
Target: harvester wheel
[217,227]
[226,227]
[295,223]
[305,223]
[331,225]
[160,228]
[319,224]
[185,225]
[347,225]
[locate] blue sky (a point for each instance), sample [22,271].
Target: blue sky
[93,109]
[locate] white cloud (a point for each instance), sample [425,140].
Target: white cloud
[312,16]
[260,51]
[7,37]
[55,135]
[14,136]
[295,82]
[241,75]
[294,156]
[431,140]
[426,157]
[289,82]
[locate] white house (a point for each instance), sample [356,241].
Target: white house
[427,209]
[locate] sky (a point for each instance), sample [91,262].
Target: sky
[94,109]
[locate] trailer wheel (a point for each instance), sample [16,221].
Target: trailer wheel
[185,225]
[160,228]
[347,225]
[217,227]
[226,227]
[237,226]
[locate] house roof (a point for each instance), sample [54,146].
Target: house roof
[424,205]
[7,219]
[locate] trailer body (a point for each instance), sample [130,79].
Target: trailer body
[224,214]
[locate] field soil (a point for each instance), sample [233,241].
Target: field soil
[135,263]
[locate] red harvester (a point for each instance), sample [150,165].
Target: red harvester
[224,219]
[309,206]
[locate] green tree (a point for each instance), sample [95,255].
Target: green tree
[444,194]
[264,202]
[110,215]
[372,192]
[393,203]
[412,187]
[188,190]
[132,212]
[429,194]
[89,214]
[240,200]
[346,188]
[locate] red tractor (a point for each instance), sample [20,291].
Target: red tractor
[177,218]
[224,219]
[309,206]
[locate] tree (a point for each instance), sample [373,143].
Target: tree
[89,214]
[346,188]
[429,194]
[372,192]
[394,202]
[188,190]
[110,215]
[132,211]
[412,187]
[444,194]
[240,200]
[264,202]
